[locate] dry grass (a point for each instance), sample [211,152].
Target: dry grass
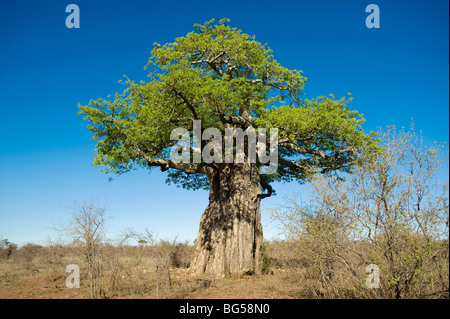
[18,282]
[131,272]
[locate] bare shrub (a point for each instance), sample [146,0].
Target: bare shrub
[52,256]
[392,212]
[161,258]
[26,256]
[86,230]
[7,249]
[180,255]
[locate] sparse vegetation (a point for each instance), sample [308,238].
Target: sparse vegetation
[129,271]
[266,260]
[392,211]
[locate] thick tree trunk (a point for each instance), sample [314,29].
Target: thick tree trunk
[230,234]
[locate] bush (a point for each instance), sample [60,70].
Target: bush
[266,260]
[7,249]
[392,211]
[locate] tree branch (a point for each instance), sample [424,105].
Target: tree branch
[293,165]
[210,62]
[237,120]
[266,186]
[188,104]
[162,163]
[302,150]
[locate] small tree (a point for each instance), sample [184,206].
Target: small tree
[392,212]
[402,209]
[86,229]
[161,253]
[319,237]
[4,243]
[7,248]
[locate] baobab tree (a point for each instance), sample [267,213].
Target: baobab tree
[226,79]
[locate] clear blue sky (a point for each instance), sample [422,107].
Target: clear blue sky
[394,73]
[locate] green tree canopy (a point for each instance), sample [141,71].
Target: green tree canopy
[225,78]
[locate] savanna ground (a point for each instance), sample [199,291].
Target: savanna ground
[39,272]
[162,271]
[381,232]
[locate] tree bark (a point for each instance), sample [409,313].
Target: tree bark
[230,234]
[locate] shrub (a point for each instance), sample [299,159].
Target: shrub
[266,260]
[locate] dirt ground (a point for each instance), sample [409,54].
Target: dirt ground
[46,286]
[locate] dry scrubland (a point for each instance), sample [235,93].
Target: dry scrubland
[161,271]
[392,212]
[132,272]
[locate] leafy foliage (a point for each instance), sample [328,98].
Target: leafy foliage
[225,78]
[4,243]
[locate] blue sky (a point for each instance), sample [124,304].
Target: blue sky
[395,73]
